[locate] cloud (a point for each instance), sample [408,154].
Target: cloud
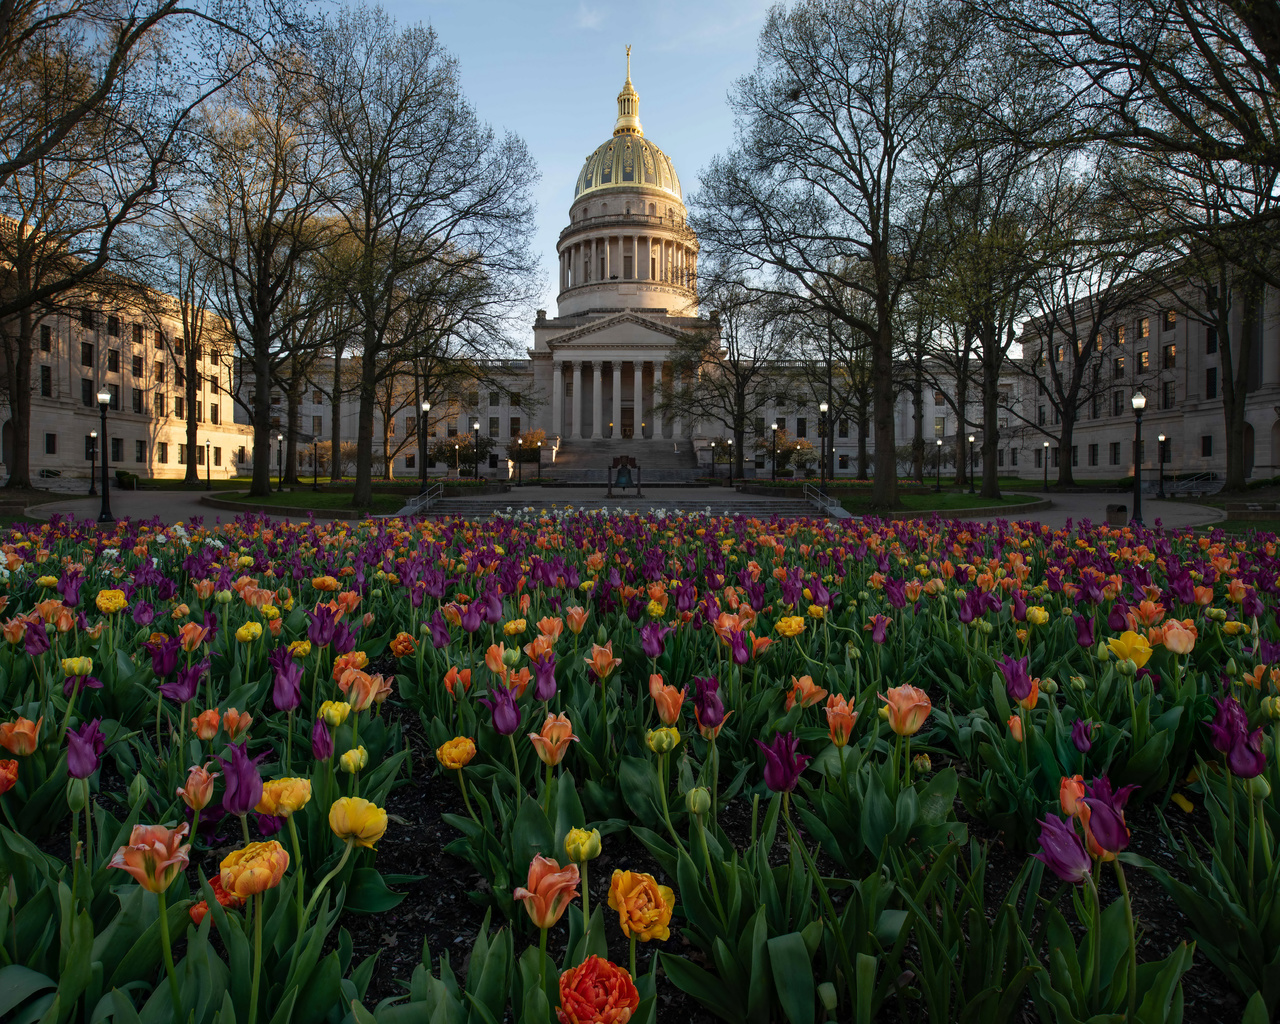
[588,17]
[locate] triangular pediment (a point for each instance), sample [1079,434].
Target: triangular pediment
[589,334]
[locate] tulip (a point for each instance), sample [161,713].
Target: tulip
[224,899]
[548,890]
[185,684]
[667,699]
[806,691]
[322,622]
[652,638]
[601,660]
[840,720]
[1070,793]
[8,775]
[206,724]
[198,791]
[243,783]
[354,760]
[581,846]
[1245,758]
[36,641]
[644,907]
[576,619]
[1228,725]
[544,669]
[253,869]
[1178,638]
[879,627]
[1082,735]
[283,797]
[502,705]
[1017,679]
[664,740]
[77,666]
[552,742]
[334,712]
[439,630]
[236,723]
[85,747]
[454,678]
[1084,631]
[1103,818]
[907,708]
[456,753]
[20,737]
[155,856]
[1131,646]
[707,704]
[1015,727]
[783,762]
[321,741]
[597,992]
[355,820]
[1062,852]
[286,688]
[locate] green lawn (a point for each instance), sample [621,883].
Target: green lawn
[944,501]
[306,498]
[1244,527]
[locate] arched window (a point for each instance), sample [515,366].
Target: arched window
[604,209]
[628,210]
[652,210]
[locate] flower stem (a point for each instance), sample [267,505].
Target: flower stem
[297,864]
[586,902]
[633,956]
[1095,945]
[167,948]
[1133,946]
[542,959]
[462,785]
[88,829]
[257,958]
[662,790]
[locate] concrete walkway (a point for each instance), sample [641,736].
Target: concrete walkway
[183,506]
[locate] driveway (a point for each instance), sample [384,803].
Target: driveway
[1093,506]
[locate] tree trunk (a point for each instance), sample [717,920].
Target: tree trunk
[1235,388]
[962,403]
[20,401]
[260,487]
[293,402]
[335,426]
[884,489]
[364,431]
[917,436]
[190,370]
[1066,433]
[864,427]
[991,421]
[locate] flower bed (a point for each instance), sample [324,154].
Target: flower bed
[648,767]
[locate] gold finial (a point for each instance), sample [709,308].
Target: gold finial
[628,122]
[628,63]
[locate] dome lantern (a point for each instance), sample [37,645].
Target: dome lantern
[628,122]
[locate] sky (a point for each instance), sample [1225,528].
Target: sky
[551,73]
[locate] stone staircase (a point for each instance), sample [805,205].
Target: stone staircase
[721,502]
[661,460]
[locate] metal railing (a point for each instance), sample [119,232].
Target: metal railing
[1201,483]
[815,496]
[420,503]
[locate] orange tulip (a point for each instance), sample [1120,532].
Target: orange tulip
[155,855]
[806,690]
[254,868]
[359,688]
[493,660]
[602,661]
[203,589]
[193,635]
[1070,793]
[576,618]
[548,891]
[15,630]
[344,662]
[518,681]
[8,776]
[206,724]
[20,737]
[840,720]
[1178,638]
[906,708]
[759,644]
[552,742]
[348,601]
[1015,727]
[403,645]
[667,699]
[236,723]
[551,627]
[198,791]
[540,645]
[453,677]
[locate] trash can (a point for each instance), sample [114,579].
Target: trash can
[1117,515]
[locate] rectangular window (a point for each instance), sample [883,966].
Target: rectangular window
[114,391]
[215,413]
[1095,407]
[1093,454]
[159,372]
[494,398]
[939,426]
[1041,417]
[1210,340]
[86,318]
[473,399]
[515,426]
[199,455]
[137,366]
[86,354]
[1039,458]
[162,452]
[1000,457]
[1117,367]
[90,447]
[182,455]
[410,462]
[137,334]
[844,462]
[180,379]
[1075,455]
[213,383]
[139,450]
[1211,382]
[86,392]
[316,398]
[199,411]
[113,360]
[1144,361]
[844,427]
[46,381]
[1144,327]
[1013,456]
[1059,351]
[939,398]
[46,337]
[515,400]
[1119,334]
[160,339]
[759,426]
[1170,319]
[180,346]
[217,456]
[241,455]
[180,407]
[1170,359]
[782,422]
[51,444]
[1057,454]
[493,426]
[1206,446]
[1168,392]
[117,449]
[1115,453]
[160,403]
[802,427]
[137,400]
[1117,403]
[317,425]
[113,326]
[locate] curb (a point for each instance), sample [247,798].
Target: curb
[1004,511]
[286,510]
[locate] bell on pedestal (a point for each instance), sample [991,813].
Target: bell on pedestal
[624,477]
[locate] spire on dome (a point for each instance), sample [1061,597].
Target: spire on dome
[628,122]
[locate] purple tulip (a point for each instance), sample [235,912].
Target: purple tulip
[69,587]
[85,747]
[270,824]
[185,683]
[471,620]
[73,683]
[1116,621]
[321,741]
[344,638]
[1082,735]
[896,591]
[243,783]
[1018,607]
[1062,852]
[439,630]
[143,614]
[1017,678]
[1228,725]
[164,656]
[506,715]
[36,639]
[652,637]
[707,702]
[1106,814]
[286,689]
[544,676]
[879,628]
[1246,759]
[783,763]
[320,631]
[741,653]
[1084,630]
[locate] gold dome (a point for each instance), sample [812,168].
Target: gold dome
[628,159]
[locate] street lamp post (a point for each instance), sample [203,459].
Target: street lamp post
[1045,460]
[315,463]
[730,444]
[539,462]
[773,454]
[424,431]
[822,438]
[475,429]
[208,464]
[520,461]
[93,463]
[971,463]
[937,487]
[457,460]
[713,460]
[1160,459]
[279,463]
[1139,402]
[104,514]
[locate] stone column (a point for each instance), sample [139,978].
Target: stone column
[608,259]
[617,399]
[596,368]
[557,398]
[576,432]
[637,396]
[658,426]
[677,428]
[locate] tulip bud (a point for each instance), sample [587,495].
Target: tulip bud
[827,995]
[1259,787]
[334,712]
[353,760]
[698,800]
[139,790]
[581,846]
[1049,685]
[1271,707]
[985,627]
[511,657]
[853,651]
[1078,684]
[1216,614]
[922,764]
[424,629]
[863,596]
[75,796]
[376,592]
[1104,652]
[884,712]
[222,597]
[664,740]
[602,636]
[1232,668]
